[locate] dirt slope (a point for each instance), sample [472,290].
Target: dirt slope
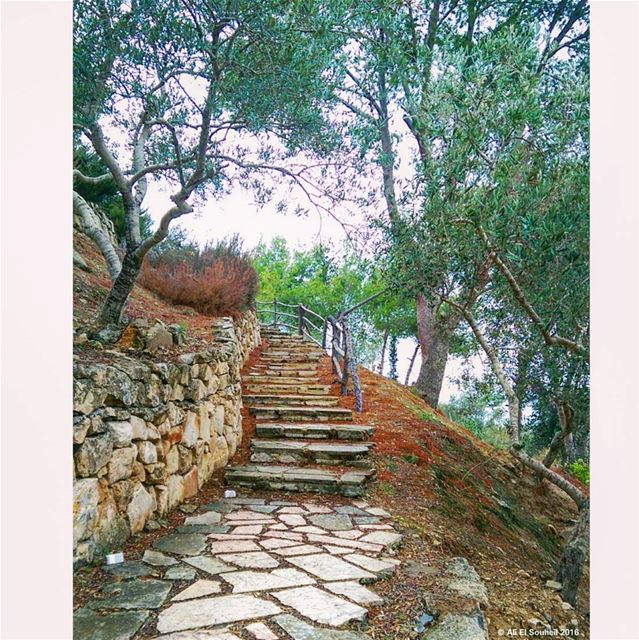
[458,496]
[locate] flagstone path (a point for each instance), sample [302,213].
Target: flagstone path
[265,569]
[251,569]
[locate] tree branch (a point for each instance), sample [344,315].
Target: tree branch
[97,234]
[93,180]
[549,338]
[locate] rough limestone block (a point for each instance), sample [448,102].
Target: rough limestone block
[140,508]
[121,464]
[190,483]
[93,454]
[85,507]
[121,432]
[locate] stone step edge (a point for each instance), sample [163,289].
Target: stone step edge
[318,412]
[342,432]
[290,472]
[311,444]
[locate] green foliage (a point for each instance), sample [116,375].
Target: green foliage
[329,282]
[481,409]
[580,469]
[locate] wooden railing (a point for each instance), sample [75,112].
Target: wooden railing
[333,334]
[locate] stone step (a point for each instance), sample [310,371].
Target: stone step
[263,399]
[258,378]
[296,345]
[288,413]
[303,365]
[284,337]
[277,375]
[295,388]
[309,451]
[349,483]
[276,359]
[315,431]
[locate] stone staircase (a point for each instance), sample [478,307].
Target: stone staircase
[303,439]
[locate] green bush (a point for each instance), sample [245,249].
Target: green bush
[581,470]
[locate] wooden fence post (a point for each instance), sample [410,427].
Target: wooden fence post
[300,322]
[275,313]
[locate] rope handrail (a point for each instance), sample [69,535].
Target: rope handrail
[340,345]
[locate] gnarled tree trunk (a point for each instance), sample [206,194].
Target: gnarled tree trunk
[574,556]
[111,313]
[562,437]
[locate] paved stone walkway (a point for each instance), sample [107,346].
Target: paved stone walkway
[250,568]
[266,570]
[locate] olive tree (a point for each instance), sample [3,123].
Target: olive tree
[507,207]
[390,64]
[196,95]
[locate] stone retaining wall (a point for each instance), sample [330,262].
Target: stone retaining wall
[147,435]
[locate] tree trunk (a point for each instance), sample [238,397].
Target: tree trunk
[380,368]
[574,556]
[564,436]
[434,335]
[410,364]
[111,313]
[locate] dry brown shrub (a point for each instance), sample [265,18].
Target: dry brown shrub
[220,280]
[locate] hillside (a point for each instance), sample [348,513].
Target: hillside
[450,494]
